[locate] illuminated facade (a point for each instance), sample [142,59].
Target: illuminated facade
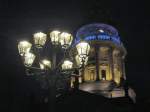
[104,72]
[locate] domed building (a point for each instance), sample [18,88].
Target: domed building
[104,71]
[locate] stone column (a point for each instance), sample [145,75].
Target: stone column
[121,66]
[111,62]
[100,75]
[97,61]
[123,71]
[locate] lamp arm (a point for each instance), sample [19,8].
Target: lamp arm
[58,66]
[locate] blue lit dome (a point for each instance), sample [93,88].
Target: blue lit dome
[98,31]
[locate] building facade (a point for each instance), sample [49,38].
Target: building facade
[104,72]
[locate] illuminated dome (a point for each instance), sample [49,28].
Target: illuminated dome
[98,31]
[104,72]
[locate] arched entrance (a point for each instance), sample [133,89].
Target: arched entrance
[90,74]
[103,72]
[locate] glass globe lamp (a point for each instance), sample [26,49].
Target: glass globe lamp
[67,65]
[29,59]
[80,61]
[65,40]
[39,39]
[55,36]
[45,64]
[24,47]
[83,49]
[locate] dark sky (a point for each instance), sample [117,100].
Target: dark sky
[20,19]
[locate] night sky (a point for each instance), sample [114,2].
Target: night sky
[20,19]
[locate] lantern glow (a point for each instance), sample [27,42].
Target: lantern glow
[67,65]
[54,36]
[39,39]
[45,64]
[65,40]
[29,59]
[24,47]
[83,49]
[80,61]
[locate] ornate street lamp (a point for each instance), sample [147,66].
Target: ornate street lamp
[83,49]
[57,38]
[24,47]
[39,39]
[52,71]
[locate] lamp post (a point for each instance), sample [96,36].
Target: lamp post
[83,49]
[48,67]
